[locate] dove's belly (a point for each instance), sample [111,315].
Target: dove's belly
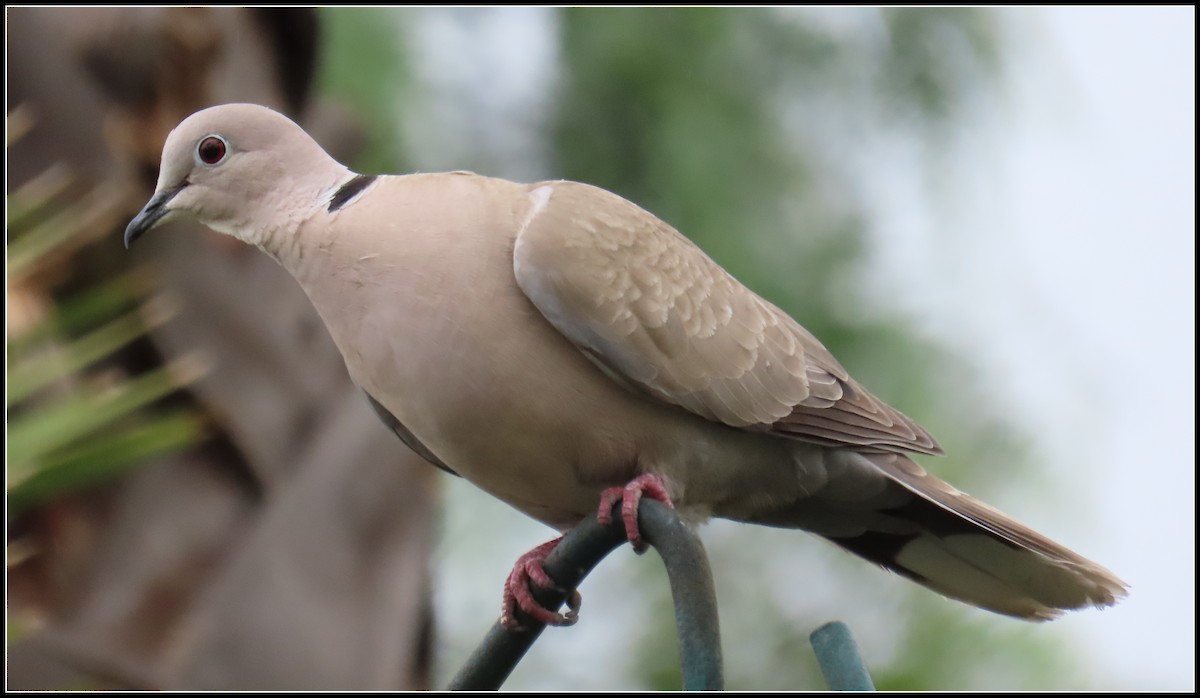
[524,416]
[529,419]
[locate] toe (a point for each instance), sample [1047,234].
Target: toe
[527,573]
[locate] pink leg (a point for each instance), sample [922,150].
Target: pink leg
[630,496]
[529,571]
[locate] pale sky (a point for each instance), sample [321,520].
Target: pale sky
[1097,204]
[1064,267]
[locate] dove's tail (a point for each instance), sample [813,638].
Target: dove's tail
[922,528]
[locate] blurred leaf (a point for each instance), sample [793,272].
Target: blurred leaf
[33,436]
[108,454]
[37,196]
[78,314]
[39,370]
[64,231]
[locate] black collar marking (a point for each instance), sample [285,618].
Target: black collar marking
[349,190]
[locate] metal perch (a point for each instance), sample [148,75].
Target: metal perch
[581,549]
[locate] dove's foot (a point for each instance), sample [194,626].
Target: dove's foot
[527,572]
[630,496]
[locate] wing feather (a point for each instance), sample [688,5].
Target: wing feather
[658,314]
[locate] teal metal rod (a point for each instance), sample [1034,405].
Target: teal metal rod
[693,593]
[841,664]
[580,550]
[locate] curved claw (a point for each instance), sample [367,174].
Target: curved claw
[527,572]
[630,496]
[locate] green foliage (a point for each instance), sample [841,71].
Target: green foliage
[936,58]
[363,66]
[74,420]
[657,107]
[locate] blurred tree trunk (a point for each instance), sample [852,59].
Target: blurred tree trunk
[290,550]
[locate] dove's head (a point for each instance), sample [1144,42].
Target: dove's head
[242,170]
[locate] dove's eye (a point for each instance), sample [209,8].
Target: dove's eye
[211,150]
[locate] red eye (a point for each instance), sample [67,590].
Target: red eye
[211,150]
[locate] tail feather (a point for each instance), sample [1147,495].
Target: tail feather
[928,531]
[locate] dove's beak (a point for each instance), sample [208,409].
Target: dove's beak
[150,215]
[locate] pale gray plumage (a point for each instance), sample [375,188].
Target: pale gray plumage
[549,340]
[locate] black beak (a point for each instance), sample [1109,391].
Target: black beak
[150,214]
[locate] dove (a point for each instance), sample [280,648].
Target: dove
[564,350]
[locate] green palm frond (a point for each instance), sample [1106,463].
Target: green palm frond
[74,415]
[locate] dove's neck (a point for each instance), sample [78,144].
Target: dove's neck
[293,205]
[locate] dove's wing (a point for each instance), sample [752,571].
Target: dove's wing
[658,314]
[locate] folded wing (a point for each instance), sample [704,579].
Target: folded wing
[657,314]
